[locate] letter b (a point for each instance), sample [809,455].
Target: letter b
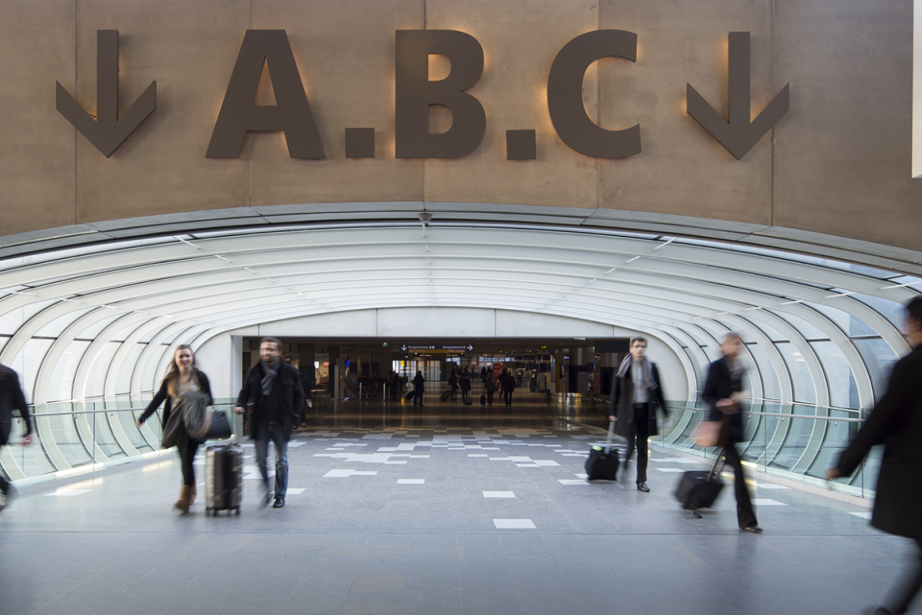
[415,93]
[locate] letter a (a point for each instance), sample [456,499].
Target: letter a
[292,113]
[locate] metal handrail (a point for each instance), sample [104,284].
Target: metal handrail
[37,414]
[785,416]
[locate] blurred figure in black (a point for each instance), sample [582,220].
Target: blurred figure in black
[11,398]
[419,386]
[896,422]
[464,382]
[723,392]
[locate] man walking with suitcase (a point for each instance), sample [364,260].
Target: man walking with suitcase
[274,388]
[635,396]
[896,422]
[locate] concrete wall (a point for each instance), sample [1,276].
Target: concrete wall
[837,163]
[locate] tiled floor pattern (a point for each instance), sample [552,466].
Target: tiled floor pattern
[464,520]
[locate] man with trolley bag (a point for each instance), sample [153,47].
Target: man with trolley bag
[274,388]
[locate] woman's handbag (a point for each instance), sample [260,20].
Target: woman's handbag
[711,433]
[220,428]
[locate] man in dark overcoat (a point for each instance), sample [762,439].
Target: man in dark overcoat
[896,422]
[11,398]
[635,395]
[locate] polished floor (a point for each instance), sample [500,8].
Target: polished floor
[453,510]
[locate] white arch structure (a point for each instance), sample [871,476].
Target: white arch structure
[97,322]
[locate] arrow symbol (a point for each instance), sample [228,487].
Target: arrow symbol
[403,348]
[107,132]
[469,347]
[738,135]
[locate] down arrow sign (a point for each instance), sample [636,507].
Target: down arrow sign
[107,132]
[738,135]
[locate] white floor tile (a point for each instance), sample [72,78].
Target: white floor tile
[547,463]
[568,481]
[67,493]
[411,481]
[527,465]
[581,475]
[863,515]
[671,470]
[295,490]
[771,486]
[514,524]
[498,494]
[479,455]
[765,502]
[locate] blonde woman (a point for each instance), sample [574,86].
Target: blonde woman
[182,376]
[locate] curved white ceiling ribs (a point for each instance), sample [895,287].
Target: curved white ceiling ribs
[134,300]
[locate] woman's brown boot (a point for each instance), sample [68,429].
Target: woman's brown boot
[185,495]
[192,496]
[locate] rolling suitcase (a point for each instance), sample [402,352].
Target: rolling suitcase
[467,398]
[483,400]
[446,395]
[224,474]
[699,489]
[603,462]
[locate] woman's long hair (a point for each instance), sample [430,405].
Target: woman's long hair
[172,372]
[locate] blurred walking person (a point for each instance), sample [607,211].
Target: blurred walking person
[11,398]
[182,378]
[489,386]
[723,392]
[508,386]
[274,388]
[419,387]
[896,422]
[635,396]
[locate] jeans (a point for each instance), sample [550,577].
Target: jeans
[274,431]
[186,458]
[641,434]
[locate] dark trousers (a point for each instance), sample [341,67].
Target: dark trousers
[745,515]
[489,391]
[4,484]
[906,588]
[507,396]
[641,434]
[418,397]
[186,457]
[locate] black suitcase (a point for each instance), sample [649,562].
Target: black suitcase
[699,489]
[223,478]
[483,400]
[603,462]
[446,395]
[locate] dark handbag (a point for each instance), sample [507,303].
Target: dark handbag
[220,428]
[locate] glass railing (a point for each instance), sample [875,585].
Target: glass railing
[72,438]
[792,441]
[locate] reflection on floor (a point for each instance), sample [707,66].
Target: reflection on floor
[474,512]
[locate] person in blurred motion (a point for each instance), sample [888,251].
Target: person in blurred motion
[896,422]
[274,388]
[635,396]
[489,386]
[182,376]
[419,387]
[723,392]
[11,398]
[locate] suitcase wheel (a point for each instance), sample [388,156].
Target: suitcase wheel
[238,511]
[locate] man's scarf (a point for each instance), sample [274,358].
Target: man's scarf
[268,379]
[647,365]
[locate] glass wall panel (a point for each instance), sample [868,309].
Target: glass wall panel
[879,358]
[96,377]
[843,392]
[64,433]
[804,390]
[803,327]
[845,321]
[891,310]
[93,331]
[56,327]
[27,361]
[772,333]
[12,320]
[126,368]
[61,382]
[771,387]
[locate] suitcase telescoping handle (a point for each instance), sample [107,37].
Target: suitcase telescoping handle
[720,461]
[611,432]
[238,428]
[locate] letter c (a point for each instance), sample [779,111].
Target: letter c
[565,95]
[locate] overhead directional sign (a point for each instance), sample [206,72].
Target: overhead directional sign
[738,134]
[107,132]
